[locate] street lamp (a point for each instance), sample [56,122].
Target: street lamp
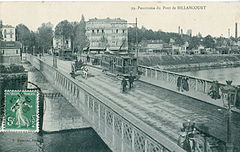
[229,97]
[54,58]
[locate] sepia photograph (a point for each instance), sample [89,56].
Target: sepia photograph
[119,76]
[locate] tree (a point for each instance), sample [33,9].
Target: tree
[23,35]
[44,37]
[65,29]
[80,38]
[208,42]
[194,42]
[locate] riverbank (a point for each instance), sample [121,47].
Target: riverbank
[184,63]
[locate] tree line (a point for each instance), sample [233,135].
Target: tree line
[179,39]
[42,39]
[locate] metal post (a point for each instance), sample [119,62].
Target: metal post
[229,144]
[137,42]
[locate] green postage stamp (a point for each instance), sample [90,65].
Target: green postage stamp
[21,111]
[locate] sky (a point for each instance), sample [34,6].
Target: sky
[212,18]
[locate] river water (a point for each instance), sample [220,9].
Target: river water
[66,140]
[220,75]
[79,140]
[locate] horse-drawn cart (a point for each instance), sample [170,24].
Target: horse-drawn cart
[79,68]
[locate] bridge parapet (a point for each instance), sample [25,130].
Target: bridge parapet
[119,129]
[199,88]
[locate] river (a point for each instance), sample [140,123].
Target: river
[57,118]
[78,140]
[220,75]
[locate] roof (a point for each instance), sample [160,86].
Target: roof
[107,20]
[7,26]
[10,45]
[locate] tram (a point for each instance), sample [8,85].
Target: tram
[120,64]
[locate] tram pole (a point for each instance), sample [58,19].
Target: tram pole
[136,42]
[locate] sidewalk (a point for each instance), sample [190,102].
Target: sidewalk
[190,93]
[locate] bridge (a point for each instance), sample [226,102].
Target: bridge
[146,119]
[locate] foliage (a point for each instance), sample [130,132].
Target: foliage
[80,38]
[208,42]
[65,29]
[23,35]
[44,36]
[13,68]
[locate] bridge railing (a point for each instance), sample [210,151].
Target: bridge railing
[120,130]
[198,87]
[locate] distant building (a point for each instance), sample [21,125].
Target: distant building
[107,34]
[10,52]
[189,32]
[61,43]
[10,49]
[8,33]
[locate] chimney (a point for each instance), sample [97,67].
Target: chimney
[178,29]
[181,31]
[236,32]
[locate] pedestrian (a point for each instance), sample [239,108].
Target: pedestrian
[88,58]
[179,83]
[131,80]
[124,84]
[185,84]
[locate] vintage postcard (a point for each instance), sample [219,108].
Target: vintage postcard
[121,76]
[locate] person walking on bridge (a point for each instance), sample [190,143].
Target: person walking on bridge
[131,80]
[124,84]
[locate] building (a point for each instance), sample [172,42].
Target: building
[61,43]
[10,52]
[8,33]
[10,49]
[189,32]
[107,34]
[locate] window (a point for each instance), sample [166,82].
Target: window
[66,41]
[92,31]
[97,30]
[102,31]
[16,51]
[123,31]
[2,51]
[116,30]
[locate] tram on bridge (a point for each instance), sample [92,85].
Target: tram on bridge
[120,64]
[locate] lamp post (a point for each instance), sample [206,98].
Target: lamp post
[229,97]
[54,58]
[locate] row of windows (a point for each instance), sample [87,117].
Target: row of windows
[102,31]
[5,33]
[17,52]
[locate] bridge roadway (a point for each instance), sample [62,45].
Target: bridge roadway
[161,109]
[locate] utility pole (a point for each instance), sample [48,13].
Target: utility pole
[136,42]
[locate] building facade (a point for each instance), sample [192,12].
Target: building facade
[10,49]
[8,33]
[61,43]
[107,34]
[10,52]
